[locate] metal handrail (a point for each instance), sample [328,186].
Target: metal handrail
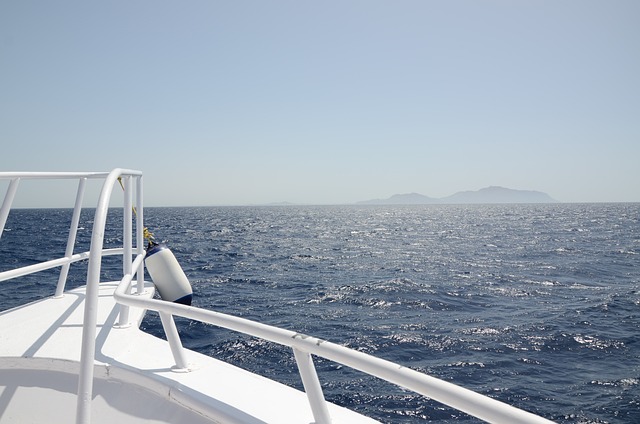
[462,399]
[54,263]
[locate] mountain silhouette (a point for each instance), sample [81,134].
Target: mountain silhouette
[493,194]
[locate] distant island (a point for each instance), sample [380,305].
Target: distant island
[491,194]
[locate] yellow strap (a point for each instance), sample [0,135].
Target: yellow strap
[148,235]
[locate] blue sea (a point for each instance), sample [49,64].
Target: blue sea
[534,305]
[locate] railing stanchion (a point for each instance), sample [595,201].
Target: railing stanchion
[71,240]
[173,338]
[140,233]
[312,387]
[6,204]
[127,241]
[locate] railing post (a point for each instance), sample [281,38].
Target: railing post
[71,240]
[127,240]
[140,232]
[312,387]
[173,338]
[6,204]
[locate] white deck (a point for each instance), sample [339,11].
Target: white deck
[134,379]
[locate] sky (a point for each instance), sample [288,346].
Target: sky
[326,102]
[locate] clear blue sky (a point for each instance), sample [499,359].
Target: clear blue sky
[326,101]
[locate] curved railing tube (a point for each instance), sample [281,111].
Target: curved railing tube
[87,354]
[465,400]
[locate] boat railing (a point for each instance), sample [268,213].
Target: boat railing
[94,255]
[304,347]
[70,257]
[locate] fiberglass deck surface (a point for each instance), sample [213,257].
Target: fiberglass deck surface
[51,330]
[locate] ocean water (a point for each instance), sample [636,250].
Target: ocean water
[534,305]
